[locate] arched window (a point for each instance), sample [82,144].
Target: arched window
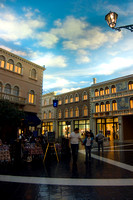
[114,105]
[131,102]
[49,115]
[71,112]
[45,102]
[44,115]
[59,101]
[50,101]
[0,87]
[130,85]
[85,95]
[97,108]
[76,112]
[66,99]
[66,113]
[8,89]
[85,111]
[106,90]
[76,97]
[59,114]
[71,98]
[96,93]
[16,91]
[18,68]
[102,107]
[33,73]
[10,65]
[31,96]
[107,106]
[101,91]
[2,61]
[113,89]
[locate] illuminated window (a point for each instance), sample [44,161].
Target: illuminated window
[71,98]
[85,95]
[59,102]
[71,112]
[59,114]
[113,89]
[2,61]
[44,115]
[97,107]
[66,113]
[96,93]
[0,87]
[101,91]
[107,106]
[76,97]
[114,105]
[31,96]
[16,91]
[131,103]
[85,111]
[130,85]
[106,90]
[33,73]
[50,114]
[18,68]
[77,112]
[102,107]
[10,65]
[8,89]
[66,99]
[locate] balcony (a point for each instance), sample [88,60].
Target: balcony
[112,96]
[13,98]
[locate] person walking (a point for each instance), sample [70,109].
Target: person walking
[87,142]
[100,139]
[74,140]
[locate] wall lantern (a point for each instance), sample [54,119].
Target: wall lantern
[111,19]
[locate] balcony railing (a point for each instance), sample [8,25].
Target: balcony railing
[13,98]
[112,96]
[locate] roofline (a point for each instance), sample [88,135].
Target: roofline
[21,58]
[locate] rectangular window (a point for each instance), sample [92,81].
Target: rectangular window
[2,63]
[31,98]
[18,69]
[9,66]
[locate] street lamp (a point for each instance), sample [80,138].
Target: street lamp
[111,19]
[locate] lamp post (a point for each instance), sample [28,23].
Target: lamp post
[111,19]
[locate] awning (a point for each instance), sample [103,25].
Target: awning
[31,119]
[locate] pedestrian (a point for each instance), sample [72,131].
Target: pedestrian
[100,139]
[87,143]
[74,140]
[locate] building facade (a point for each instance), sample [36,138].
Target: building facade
[112,108]
[21,83]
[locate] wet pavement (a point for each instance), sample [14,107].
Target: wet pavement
[107,176]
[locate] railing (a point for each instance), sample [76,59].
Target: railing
[13,98]
[112,96]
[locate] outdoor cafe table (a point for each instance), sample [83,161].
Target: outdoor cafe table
[33,150]
[4,154]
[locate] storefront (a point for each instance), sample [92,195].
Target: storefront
[64,128]
[47,126]
[109,126]
[83,125]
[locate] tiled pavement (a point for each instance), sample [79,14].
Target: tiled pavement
[108,176]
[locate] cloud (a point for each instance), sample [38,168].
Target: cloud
[82,57]
[19,53]
[65,90]
[51,60]
[47,39]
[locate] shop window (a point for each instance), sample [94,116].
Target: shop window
[102,107]
[66,113]
[2,61]
[66,99]
[59,101]
[101,91]
[31,96]
[8,89]
[85,111]
[76,112]
[85,95]
[10,65]
[71,98]
[16,91]
[97,108]
[71,112]
[107,106]
[76,97]
[49,115]
[130,85]
[96,93]
[44,115]
[113,89]
[114,105]
[106,90]
[18,68]
[33,73]
[131,103]
[59,114]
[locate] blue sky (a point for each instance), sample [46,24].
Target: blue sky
[71,38]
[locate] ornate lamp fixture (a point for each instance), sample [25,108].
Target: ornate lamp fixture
[111,19]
